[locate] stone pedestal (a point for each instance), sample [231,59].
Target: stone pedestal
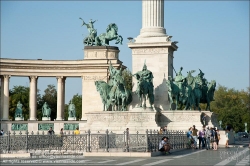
[71,118]
[46,118]
[19,118]
[140,120]
[103,55]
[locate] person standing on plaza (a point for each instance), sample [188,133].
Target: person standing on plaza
[61,132]
[51,131]
[194,134]
[227,139]
[77,132]
[208,136]
[1,132]
[201,135]
[215,139]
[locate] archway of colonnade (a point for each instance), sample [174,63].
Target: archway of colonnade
[72,87]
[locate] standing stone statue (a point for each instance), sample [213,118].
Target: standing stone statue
[46,111]
[72,111]
[19,111]
[145,87]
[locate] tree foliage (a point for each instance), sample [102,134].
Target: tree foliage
[232,107]
[77,100]
[127,75]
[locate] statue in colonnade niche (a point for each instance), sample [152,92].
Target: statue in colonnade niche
[114,94]
[190,91]
[72,111]
[46,110]
[19,111]
[104,38]
[145,87]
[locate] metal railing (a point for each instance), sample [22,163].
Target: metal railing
[89,142]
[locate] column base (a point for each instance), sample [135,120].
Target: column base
[5,119]
[59,119]
[33,119]
[46,118]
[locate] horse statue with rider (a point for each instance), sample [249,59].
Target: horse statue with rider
[46,110]
[145,87]
[190,91]
[104,38]
[115,96]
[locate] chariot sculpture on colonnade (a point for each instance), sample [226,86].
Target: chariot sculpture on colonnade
[103,39]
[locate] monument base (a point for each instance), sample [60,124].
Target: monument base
[71,118]
[46,118]
[19,118]
[140,120]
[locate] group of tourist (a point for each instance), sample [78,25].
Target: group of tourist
[51,131]
[205,136]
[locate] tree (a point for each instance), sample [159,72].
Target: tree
[19,93]
[50,96]
[127,75]
[77,100]
[232,107]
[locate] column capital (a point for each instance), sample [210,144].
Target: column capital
[32,77]
[6,76]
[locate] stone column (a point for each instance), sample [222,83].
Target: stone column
[59,97]
[155,47]
[63,96]
[2,97]
[33,97]
[152,19]
[6,97]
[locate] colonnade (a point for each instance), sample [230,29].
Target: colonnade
[5,80]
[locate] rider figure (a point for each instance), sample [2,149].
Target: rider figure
[146,77]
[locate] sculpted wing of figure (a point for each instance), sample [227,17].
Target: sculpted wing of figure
[145,87]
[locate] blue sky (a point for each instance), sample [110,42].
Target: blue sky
[213,36]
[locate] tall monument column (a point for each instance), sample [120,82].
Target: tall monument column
[6,97]
[152,18]
[154,47]
[33,97]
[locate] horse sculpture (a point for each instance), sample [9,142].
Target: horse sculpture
[111,34]
[208,95]
[115,97]
[195,83]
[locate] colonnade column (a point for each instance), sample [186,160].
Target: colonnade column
[63,96]
[33,97]
[59,97]
[6,97]
[2,96]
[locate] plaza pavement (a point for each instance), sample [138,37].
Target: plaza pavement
[235,155]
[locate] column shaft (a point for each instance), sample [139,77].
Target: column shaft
[33,97]
[152,18]
[2,97]
[59,98]
[6,98]
[63,96]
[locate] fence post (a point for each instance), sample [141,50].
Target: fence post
[127,144]
[88,140]
[147,140]
[107,141]
[26,141]
[8,140]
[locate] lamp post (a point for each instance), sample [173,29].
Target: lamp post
[220,123]
[246,127]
